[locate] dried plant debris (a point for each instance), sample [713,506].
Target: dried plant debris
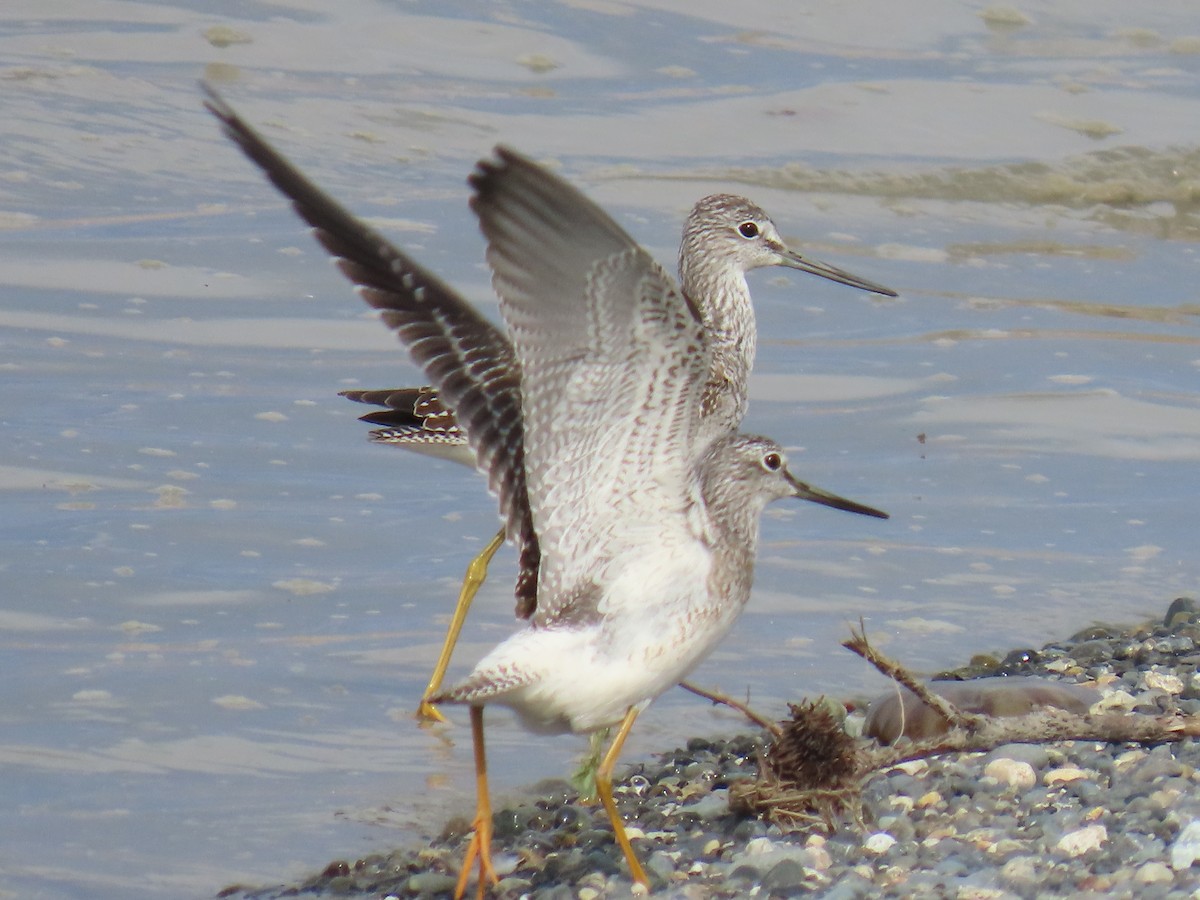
[813,770]
[810,774]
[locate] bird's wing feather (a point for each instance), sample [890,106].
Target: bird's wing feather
[467,358]
[613,362]
[417,408]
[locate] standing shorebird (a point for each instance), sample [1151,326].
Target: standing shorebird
[724,237]
[646,514]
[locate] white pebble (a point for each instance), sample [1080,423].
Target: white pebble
[1115,701]
[758,846]
[1186,849]
[1012,772]
[1080,841]
[1153,872]
[1164,681]
[817,858]
[880,842]
[914,767]
[1020,869]
[1063,775]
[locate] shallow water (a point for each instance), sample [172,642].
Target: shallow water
[220,601]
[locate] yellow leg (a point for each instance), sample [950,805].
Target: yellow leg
[481,836]
[476,575]
[604,789]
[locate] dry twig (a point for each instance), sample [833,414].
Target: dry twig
[722,700]
[956,718]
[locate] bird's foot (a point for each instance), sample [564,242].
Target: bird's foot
[479,848]
[428,714]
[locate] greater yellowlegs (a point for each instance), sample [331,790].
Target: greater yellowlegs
[724,237]
[646,514]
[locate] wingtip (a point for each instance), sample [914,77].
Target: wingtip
[216,104]
[503,159]
[489,168]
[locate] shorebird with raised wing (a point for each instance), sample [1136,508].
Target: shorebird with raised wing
[724,237]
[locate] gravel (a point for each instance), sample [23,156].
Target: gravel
[1070,819]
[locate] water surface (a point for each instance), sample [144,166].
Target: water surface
[221,602]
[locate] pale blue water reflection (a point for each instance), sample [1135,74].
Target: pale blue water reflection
[221,602]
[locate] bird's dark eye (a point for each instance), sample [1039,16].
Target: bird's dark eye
[748,229]
[773,462]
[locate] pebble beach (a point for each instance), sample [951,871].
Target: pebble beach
[1069,819]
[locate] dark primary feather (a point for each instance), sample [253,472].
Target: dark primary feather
[405,408]
[466,357]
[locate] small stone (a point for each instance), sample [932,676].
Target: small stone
[1165,799]
[759,846]
[1063,775]
[1153,872]
[1005,847]
[595,881]
[433,884]
[928,799]
[1129,757]
[1034,754]
[1013,773]
[505,863]
[1164,681]
[786,873]
[817,858]
[661,864]
[979,892]
[337,868]
[1083,840]
[512,887]
[1180,611]
[1117,701]
[1020,870]
[745,873]
[710,806]
[879,843]
[1186,848]
[1157,767]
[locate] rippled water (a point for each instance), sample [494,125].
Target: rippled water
[220,602]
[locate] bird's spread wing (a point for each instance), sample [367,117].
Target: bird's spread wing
[613,362]
[467,358]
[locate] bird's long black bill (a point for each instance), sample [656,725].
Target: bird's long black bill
[793,260]
[826,498]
